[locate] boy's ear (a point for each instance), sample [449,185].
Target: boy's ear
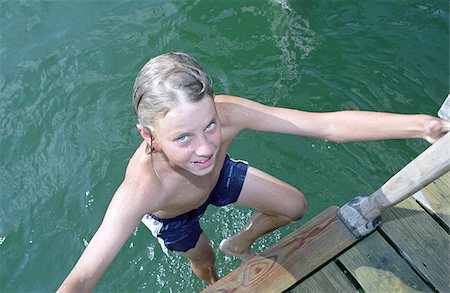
[145,132]
[147,136]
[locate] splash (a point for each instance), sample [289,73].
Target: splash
[296,40]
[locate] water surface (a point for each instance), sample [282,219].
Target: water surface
[67,126]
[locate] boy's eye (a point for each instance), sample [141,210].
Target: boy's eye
[211,125]
[183,139]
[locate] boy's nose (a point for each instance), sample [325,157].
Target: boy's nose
[204,149]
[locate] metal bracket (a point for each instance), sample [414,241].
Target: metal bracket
[358,220]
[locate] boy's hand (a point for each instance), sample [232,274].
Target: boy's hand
[435,129]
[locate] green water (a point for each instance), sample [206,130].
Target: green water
[67,126]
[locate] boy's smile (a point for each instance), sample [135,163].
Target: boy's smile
[190,136]
[205,163]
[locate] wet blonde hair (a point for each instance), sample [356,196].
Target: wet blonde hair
[163,82]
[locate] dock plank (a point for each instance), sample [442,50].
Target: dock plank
[435,198]
[421,240]
[378,268]
[329,279]
[443,183]
[291,259]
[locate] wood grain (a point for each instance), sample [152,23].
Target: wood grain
[291,259]
[435,198]
[329,279]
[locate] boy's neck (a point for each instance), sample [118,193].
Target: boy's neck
[163,168]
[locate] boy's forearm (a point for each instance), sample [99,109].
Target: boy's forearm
[347,126]
[69,286]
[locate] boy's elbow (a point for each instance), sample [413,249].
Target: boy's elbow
[332,138]
[334,134]
[329,133]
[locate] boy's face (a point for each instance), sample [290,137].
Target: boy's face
[190,136]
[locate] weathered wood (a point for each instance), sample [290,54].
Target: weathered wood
[426,248]
[421,241]
[378,268]
[292,258]
[361,215]
[443,184]
[329,279]
[435,198]
[427,167]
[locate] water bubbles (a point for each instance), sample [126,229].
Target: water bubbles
[89,199]
[322,145]
[2,239]
[150,252]
[85,242]
[161,276]
[136,261]
[295,39]
[142,286]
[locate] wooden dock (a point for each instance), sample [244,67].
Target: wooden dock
[409,252]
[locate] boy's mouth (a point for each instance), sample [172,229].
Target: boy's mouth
[204,163]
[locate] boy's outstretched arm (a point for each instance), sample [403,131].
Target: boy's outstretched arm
[119,222]
[341,126]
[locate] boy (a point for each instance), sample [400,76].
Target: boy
[182,166]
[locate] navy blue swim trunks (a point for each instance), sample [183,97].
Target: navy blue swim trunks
[182,232]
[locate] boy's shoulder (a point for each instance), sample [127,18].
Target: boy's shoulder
[229,107]
[228,111]
[239,113]
[140,180]
[233,105]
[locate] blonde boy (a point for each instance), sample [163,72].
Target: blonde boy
[182,166]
